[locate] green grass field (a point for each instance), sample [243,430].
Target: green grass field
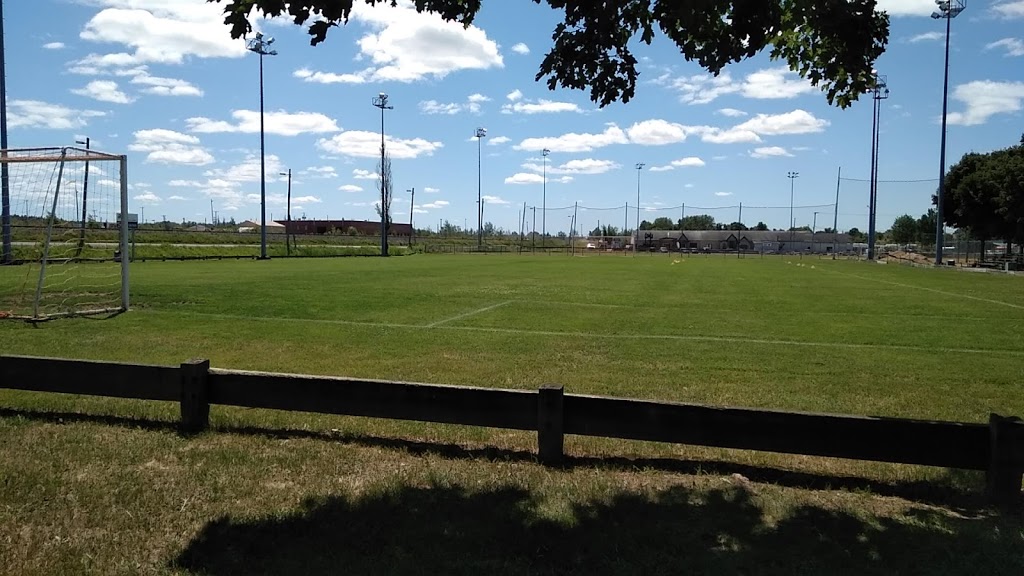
[106,486]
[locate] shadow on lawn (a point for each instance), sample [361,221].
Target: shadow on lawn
[444,530]
[961,490]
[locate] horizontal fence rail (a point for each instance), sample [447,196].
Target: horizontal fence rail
[996,447]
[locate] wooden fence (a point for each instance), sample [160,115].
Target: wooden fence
[996,447]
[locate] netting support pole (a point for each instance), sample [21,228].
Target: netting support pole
[7,256]
[49,234]
[835,216]
[123,233]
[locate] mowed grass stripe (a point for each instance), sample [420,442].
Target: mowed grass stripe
[934,290]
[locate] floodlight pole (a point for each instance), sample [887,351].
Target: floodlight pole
[412,211]
[288,218]
[7,256]
[948,9]
[879,92]
[792,180]
[639,169]
[381,101]
[261,46]
[480,134]
[544,198]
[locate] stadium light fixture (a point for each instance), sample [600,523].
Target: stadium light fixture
[948,9]
[381,101]
[261,45]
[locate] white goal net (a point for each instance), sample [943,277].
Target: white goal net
[63,238]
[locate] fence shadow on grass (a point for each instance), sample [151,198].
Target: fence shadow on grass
[961,490]
[447,530]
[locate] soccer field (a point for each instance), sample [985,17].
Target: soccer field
[101,486]
[809,334]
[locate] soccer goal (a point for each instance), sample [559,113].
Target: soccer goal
[63,239]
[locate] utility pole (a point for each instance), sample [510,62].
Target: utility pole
[412,210]
[792,178]
[835,216]
[213,215]
[533,237]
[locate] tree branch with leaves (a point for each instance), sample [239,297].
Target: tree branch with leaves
[831,43]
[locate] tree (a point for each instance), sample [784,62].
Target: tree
[904,230]
[645,225]
[737,226]
[383,207]
[663,223]
[926,227]
[831,43]
[698,222]
[984,193]
[761,226]
[855,235]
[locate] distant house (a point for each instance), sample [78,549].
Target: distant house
[361,227]
[253,226]
[197,228]
[743,240]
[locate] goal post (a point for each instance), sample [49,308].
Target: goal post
[68,220]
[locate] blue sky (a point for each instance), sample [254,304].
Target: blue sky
[162,81]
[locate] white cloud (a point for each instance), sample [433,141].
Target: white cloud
[656,133]
[276,122]
[170,147]
[177,198]
[320,172]
[985,98]
[248,170]
[927,37]
[159,86]
[514,95]
[731,112]
[689,161]
[532,178]
[728,136]
[1011,9]
[494,200]
[436,204]
[147,198]
[163,31]
[38,114]
[907,7]
[521,48]
[723,194]
[497,140]
[769,152]
[1013,46]
[795,122]
[104,91]
[360,174]
[185,183]
[573,142]
[435,107]
[541,106]
[363,144]
[407,46]
[53,45]
[779,82]
[306,200]
[472,105]
[580,166]
[430,190]
[350,188]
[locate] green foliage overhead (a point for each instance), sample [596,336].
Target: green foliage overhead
[984,193]
[832,43]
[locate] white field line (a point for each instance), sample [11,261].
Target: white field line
[468,314]
[592,335]
[935,290]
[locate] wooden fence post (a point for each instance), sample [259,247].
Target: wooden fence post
[1006,467]
[550,419]
[195,404]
